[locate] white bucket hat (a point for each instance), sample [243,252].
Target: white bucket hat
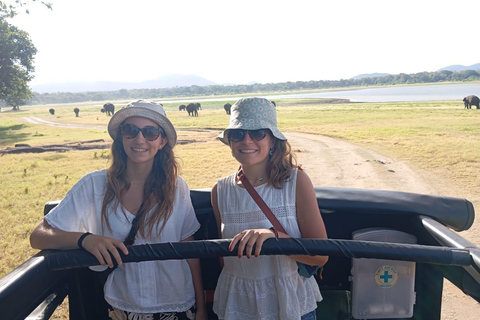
[252,114]
[145,109]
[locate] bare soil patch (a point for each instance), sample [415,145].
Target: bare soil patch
[335,163]
[83,145]
[62,125]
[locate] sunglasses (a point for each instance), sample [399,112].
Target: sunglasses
[150,133]
[237,135]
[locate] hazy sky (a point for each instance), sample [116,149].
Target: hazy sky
[241,41]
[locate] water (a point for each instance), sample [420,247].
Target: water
[396,94]
[455,92]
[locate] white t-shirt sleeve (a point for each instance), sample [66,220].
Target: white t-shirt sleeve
[190,223]
[78,210]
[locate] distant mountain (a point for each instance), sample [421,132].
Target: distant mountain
[454,68]
[166,81]
[458,67]
[370,75]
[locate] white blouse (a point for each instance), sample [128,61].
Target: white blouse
[144,287]
[266,287]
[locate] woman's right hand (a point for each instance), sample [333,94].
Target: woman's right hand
[102,247]
[247,238]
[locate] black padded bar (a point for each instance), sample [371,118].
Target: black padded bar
[66,259]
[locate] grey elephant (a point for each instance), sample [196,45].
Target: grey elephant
[471,101]
[181,107]
[77,111]
[192,109]
[108,108]
[52,111]
[227,107]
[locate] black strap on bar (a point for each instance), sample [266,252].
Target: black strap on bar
[130,240]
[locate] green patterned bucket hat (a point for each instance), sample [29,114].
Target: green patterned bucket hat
[252,114]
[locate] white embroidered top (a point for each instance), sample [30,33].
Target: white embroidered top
[144,287]
[266,287]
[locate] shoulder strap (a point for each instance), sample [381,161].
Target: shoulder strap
[133,231]
[259,201]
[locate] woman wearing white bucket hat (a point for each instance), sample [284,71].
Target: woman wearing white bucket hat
[141,186]
[264,287]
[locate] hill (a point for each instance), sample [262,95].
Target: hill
[454,68]
[370,75]
[458,67]
[166,81]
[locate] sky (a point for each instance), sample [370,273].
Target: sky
[248,41]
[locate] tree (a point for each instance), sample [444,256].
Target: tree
[16,55]
[9,10]
[16,64]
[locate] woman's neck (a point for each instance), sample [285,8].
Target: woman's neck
[138,174]
[255,175]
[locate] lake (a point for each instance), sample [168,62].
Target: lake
[386,94]
[395,94]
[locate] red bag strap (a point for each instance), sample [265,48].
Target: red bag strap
[259,201]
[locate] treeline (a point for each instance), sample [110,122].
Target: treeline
[402,78]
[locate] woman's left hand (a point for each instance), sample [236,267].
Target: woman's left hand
[248,238]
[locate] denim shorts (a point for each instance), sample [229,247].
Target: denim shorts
[310,316]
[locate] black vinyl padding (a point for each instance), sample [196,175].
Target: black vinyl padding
[456,213]
[66,259]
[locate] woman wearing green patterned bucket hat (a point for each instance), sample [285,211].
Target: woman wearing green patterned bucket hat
[252,114]
[263,287]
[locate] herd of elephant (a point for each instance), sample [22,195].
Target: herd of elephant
[108,108]
[471,101]
[193,108]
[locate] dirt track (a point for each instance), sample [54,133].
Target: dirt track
[62,125]
[335,163]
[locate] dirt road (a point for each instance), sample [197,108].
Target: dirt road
[335,163]
[62,125]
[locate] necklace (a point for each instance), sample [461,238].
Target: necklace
[253,180]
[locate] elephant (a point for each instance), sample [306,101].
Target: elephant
[77,111]
[471,101]
[227,107]
[192,109]
[52,111]
[273,102]
[108,108]
[182,107]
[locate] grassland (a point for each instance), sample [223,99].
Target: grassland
[439,139]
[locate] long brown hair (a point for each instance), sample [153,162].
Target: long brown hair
[159,188]
[281,163]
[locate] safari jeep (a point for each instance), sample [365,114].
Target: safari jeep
[389,255]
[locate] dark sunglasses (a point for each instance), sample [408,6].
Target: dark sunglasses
[237,135]
[150,133]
